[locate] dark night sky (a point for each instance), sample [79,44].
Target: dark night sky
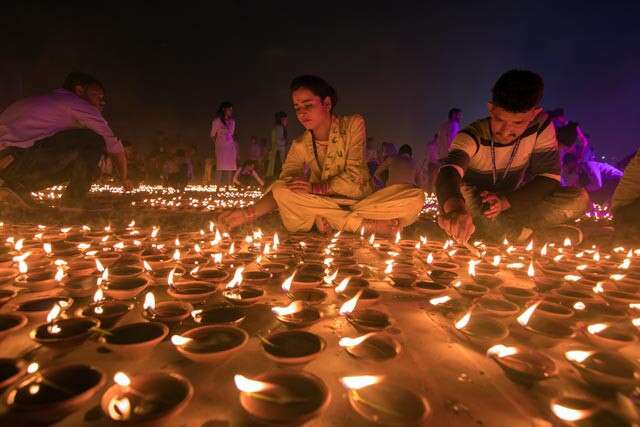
[400,65]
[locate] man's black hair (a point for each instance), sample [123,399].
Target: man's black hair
[518,91]
[567,135]
[76,78]
[454,111]
[405,149]
[318,86]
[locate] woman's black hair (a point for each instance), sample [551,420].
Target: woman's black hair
[220,113]
[318,86]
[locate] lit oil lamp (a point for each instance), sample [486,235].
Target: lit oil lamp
[213,343]
[146,399]
[364,320]
[384,403]
[541,331]
[297,314]
[480,330]
[211,275]
[37,309]
[40,281]
[443,277]
[283,396]
[487,278]
[496,307]
[241,295]
[606,336]
[402,280]
[160,276]
[372,346]
[135,339]
[599,311]
[554,310]
[221,314]
[312,296]
[124,289]
[523,365]
[6,295]
[470,290]
[517,295]
[605,371]
[293,347]
[573,409]
[48,396]
[257,278]
[167,312]
[430,288]
[60,334]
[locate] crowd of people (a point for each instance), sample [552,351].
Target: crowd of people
[519,170]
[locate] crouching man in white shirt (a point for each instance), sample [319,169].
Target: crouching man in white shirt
[54,138]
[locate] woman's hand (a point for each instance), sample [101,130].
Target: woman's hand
[497,204]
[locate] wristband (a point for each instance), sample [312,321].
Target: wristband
[320,188]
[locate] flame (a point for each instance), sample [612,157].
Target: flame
[237,278]
[179,340]
[352,342]
[170,277]
[98,296]
[430,258]
[636,322]
[232,248]
[496,260]
[529,247]
[328,279]
[350,305]
[343,285]
[596,328]
[146,266]
[463,321]
[569,414]
[372,238]
[194,270]
[54,313]
[634,305]
[98,310]
[397,237]
[505,242]
[360,382]
[197,248]
[176,255]
[293,308]
[122,379]
[276,241]
[33,368]
[47,248]
[617,276]
[598,288]
[23,268]
[582,267]
[149,301]
[596,257]
[531,272]
[389,268]
[119,408]
[440,300]
[543,251]
[500,351]
[119,245]
[286,285]
[327,262]
[572,277]
[510,249]
[248,385]
[567,242]
[625,264]
[59,274]
[154,232]
[524,318]
[515,266]
[578,356]
[472,267]
[19,245]
[579,306]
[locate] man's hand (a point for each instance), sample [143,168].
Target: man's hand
[299,185]
[456,221]
[497,204]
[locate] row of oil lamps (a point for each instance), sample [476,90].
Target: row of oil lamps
[123,264]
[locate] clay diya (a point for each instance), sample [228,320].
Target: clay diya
[297,315]
[520,296]
[487,280]
[402,280]
[554,310]
[167,312]
[605,370]
[54,393]
[6,295]
[430,288]
[497,307]
[158,262]
[443,277]
[220,314]
[384,403]
[606,336]
[124,272]
[369,320]
[160,276]
[125,289]
[211,275]
[64,333]
[293,347]
[214,343]
[569,296]
[146,399]
[545,332]
[107,259]
[36,309]
[81,268]
[311,269]
[523,366]
[599,311]
[471,290]
[304,280]
[283,396]
[451,267]
[10,371]
[11,322]
[481,331]
[311,296]
[256,278]
[80,287]
[135,339]
[7,275]
[545,284]
[374,346]
[620,299]
[192,291]
[38,281]
[243,295]
[277,270]
[107,312]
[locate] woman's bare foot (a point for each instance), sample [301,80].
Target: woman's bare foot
[382,227]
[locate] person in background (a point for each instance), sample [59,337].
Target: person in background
[401,168]
[385,150]
[336,192]
[372,156]
[226,152]
[447,132]
[430,165]
[598,178]
[248,176]
[625,204]
[178,169]
[570,136]
[279,145]
[502,173]
[56,137]
[255,153]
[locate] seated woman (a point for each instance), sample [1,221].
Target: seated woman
[324,179]
[247,175]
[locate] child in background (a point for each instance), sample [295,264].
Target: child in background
[401,168]
[247,175]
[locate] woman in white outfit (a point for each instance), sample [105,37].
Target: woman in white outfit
[222,133]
